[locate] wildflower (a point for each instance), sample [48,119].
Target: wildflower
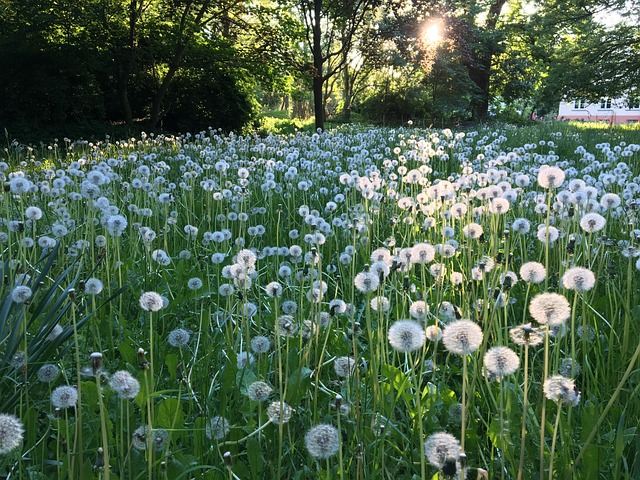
[526,335]
[422,253]
[550,308]
[550,177]
[569,368]
[93,286]
[521,226]
[380,304]
[289,307]
[561,389]
[260,344]
[286,326]
[433,333]
[33,213]
[440,447]
[550,234]
[57,330]
[259,391]
[124,384]
[151,301]
[462,337]
[322,441]
[344,366]
[140,438]
[279,412]
[578,279]
[533,272]
[366,281]
[64,397]
[274,289]
[406,336]
[592,222]
[419,310]
[472,230]
[11,433]
[217,428]
[501,361]
[21,294]
[244,359]
[48,372]
[194,283]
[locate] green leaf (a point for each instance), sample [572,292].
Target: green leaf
[169,415]
[255,458]
[172,361]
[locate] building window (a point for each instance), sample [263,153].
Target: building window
[580,104]
[634,103]
[605,103]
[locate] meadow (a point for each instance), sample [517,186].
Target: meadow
[353,304]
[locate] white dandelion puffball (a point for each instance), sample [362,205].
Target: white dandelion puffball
[578,279]
[11,433]
[462,337]
[406,336]
[322,441]
[550,308]
[501,361]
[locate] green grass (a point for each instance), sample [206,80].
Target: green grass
[193,196]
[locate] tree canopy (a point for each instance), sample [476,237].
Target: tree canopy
[189,64]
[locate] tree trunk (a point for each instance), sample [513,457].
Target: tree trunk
[347,93]
[123,94]
[480,71]
[318,62]
[158,100]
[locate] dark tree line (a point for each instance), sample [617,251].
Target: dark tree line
[189,64]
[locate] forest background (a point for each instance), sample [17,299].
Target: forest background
[80,67]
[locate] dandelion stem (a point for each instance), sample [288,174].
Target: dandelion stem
[553,441]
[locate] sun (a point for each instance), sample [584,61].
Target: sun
[432,32]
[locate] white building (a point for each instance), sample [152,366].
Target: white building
[614,111]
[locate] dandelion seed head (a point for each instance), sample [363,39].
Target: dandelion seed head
[64,397]
[366,282]
[194,283]
[501,361]
[419,310]
[526,335]
[260,344]
[11,433]
[550,177]
[217,428]
[569,368]
[279,412]
[462,337]
[93,286]
[441,446]
[533,272]
[344,366]
[380,304]
[244,359]
[549,308]
[124,384]
[151,301]
[433,333]
[561,389]
[406,336]
[48,372]
[578,279]
[592,222]
[21,294]
[322,441]
[178,337]
[259,391]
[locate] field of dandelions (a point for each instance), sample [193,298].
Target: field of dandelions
[356,304]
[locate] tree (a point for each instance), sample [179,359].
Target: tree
[331,28]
